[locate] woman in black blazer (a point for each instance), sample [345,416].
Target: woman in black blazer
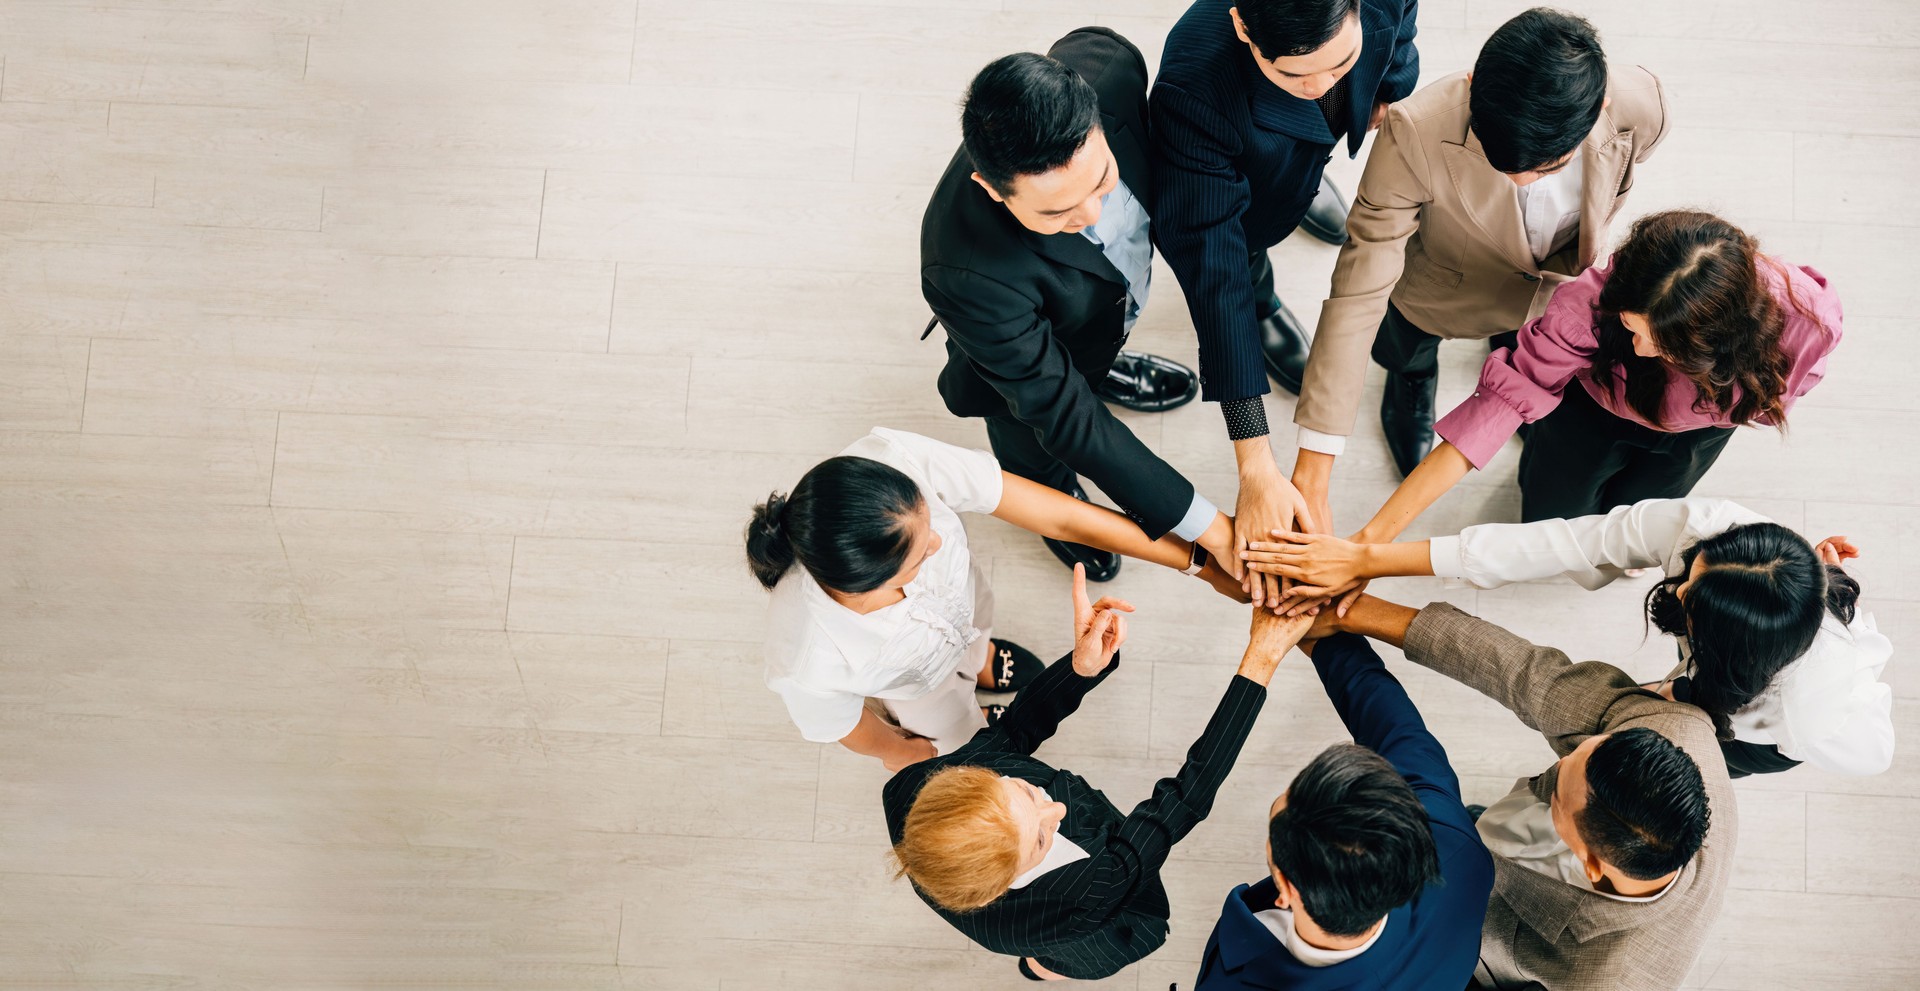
[1034,862]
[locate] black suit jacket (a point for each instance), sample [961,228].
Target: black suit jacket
[1033,320]
[1093,917]
[1237,161]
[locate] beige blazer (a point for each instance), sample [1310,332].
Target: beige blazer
[1541,932]
[1437,228]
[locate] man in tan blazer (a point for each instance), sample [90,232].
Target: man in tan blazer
[1483,193]
[1606,874]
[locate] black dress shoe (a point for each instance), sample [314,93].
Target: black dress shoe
[1326,218]
[1284,342]
[1102,566]
[1148,383]
[1406,414]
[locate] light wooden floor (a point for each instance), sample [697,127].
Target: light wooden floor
[383,384]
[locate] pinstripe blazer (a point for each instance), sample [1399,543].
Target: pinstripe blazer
[1237,161]
[1093,917]
[1541,932]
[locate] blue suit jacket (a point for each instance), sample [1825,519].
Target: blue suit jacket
[1430,942]
[1237,161]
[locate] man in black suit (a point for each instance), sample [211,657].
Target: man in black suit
[1036,258]
[1252,99]
[1035,862]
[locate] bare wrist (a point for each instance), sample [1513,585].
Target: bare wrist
[1312,468]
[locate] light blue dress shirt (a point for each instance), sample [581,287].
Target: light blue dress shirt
[1121,234]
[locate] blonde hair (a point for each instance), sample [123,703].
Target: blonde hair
[960,844]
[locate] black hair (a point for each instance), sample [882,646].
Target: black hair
[1353,838]
[1753,611]
[1646,813]
[1025,114]
[846,523]
[1279,28]
[1538,87]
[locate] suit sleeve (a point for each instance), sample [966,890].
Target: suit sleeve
[1379,715]
[1012,346]
[1403,72]
[1662,126]
[1036,713]
[1178,803]
[1386,212]
[1200,198]
[1564,701]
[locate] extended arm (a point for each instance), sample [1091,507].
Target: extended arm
[1379,715]
[1013,348]
[1550,693]
[1052,513]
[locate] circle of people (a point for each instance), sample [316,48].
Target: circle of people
[1482,213]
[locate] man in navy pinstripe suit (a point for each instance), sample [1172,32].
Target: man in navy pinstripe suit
[1252,98]
[1034,862]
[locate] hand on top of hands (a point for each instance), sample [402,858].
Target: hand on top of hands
[1834,550]
[1268,503]
[1099,628]
[1320,569]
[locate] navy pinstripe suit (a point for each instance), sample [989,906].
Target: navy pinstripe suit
[1093,917]
[1237,161]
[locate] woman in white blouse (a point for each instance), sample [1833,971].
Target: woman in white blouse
[887,603]
[1771,643]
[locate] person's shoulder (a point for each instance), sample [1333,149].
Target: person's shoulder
[1200,54]
[964,228]
[1808,287]
[1109,62]
[1438,109]
[1637,99]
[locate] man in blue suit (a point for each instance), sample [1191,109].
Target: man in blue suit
[1378,878]
[1252,98]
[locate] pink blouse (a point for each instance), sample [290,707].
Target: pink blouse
[1522,384]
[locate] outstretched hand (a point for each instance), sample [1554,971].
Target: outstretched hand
[1321,570]
[1271,636]
[1099,628]
[1834,550]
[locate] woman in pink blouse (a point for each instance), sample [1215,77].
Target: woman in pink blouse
[1636,374]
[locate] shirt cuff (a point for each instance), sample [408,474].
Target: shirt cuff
[1200,514]
[1444,554]
[1331,445]
[1245,417]
[1479,426]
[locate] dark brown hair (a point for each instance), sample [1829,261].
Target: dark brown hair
[1697,280]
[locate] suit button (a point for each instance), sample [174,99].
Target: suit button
[1529,278]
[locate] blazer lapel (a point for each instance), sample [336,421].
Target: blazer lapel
[1488,197]
[1073,250]
[1604,157]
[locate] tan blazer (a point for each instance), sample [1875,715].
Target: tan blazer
[1440,230]
[1541,932]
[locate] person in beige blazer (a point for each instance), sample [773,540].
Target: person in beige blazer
[1611,865]
[1484,192]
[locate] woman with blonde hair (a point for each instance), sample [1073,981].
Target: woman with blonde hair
[1034,862]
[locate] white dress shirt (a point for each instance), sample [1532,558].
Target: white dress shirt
[1063,852]
[1550,208]
[825,659]
[1828,708]
[1279,922]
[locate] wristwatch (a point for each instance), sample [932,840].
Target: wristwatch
[1197,561]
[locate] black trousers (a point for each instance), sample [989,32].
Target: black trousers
[1018,448]
[1266,302]
[1742,758]
[1404,349]
[1581,459]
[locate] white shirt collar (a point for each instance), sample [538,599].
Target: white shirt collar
[1520,829]
[1279,921]
[1063,852]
